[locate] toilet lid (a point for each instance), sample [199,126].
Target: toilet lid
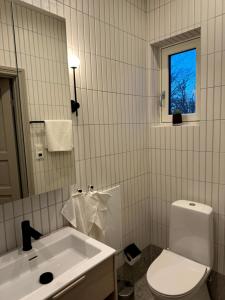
[174,275]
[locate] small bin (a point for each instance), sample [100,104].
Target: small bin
[126,291]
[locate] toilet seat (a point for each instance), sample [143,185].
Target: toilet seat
[174,276]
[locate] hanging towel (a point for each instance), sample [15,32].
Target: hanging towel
[87,213]
[74,211]
[69,212]
[96,204]
[58,135]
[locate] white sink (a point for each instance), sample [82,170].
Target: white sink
[67,253]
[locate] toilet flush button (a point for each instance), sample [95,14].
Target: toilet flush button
[192,204]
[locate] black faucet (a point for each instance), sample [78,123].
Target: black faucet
[27,233]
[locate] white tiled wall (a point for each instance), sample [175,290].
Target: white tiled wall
[188,162]
[43,211]
[7,49]
[111,132]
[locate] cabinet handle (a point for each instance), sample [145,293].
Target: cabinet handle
[69,287]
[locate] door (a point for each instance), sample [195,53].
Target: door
[9,171]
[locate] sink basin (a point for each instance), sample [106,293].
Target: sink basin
[66,253]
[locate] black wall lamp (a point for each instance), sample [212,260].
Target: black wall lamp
[74,64]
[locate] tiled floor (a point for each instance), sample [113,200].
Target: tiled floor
[142,291]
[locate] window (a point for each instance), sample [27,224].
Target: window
[180,80]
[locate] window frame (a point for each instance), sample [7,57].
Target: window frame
[165,53]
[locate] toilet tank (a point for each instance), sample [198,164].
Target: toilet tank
[191,231]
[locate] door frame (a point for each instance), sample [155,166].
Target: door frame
[22,127]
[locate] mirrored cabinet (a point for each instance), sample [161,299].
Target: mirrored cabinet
[34,86]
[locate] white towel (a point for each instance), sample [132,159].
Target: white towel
[59,135]
[69,211]
[74,211]
[87,212]
[96,204]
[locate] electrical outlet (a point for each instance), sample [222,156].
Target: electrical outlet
[39,152]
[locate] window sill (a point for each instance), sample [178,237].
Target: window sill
[184,124]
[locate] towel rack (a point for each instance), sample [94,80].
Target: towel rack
[37,122]
[90,188]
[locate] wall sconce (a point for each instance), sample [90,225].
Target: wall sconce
[74,64]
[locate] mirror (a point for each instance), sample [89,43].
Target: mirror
[34,89]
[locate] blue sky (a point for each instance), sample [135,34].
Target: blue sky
[183,81]
[182,64]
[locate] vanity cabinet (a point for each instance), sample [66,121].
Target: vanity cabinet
[97,284]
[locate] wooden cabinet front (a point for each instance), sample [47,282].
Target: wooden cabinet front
[97,284]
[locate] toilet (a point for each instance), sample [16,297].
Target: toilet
[181,271]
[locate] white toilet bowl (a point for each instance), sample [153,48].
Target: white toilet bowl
[172,276]
[181,272]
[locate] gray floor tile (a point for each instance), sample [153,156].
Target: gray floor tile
[142,291]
